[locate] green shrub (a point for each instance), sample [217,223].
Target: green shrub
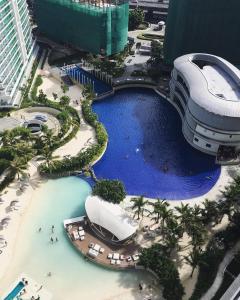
[110,190]
[7,180]
[4,164]
[84,158]
[155,258]
[64,100]
[6,153]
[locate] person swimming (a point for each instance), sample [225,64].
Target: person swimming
[165,168]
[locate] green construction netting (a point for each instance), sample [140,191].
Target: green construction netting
[85,26]
[210,26]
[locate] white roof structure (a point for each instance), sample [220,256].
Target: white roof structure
[111,217]
[214,83]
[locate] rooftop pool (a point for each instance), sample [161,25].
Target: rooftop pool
[147,150]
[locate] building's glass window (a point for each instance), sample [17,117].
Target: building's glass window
[182,82]
[181,94]
[179,104]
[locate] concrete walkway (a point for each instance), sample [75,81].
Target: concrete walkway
[219,278]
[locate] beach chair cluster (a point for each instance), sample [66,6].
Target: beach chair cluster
[78,234]
[95,250]
[117,259]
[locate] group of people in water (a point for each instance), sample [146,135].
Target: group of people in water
[49,274]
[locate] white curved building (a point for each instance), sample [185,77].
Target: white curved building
[206,91]
[16,46]
[109,221]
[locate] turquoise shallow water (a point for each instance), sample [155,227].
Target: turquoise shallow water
[72,277]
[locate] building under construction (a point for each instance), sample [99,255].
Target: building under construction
[207,26]
[100,27]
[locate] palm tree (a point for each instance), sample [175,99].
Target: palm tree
[159,209]
[47,155]
[185,215]
[161,214]
[193,259]
[139,206]
[12,137]
[18,166]
[47,137]
[210,212]
[23,150]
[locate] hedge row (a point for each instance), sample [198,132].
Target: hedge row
[84,158]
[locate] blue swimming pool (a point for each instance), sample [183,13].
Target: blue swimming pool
[15,291]
[84,77]
[147,150]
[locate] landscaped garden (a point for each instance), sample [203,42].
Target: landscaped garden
[184,234]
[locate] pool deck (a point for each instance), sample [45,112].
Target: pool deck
[127,250]
[31,289]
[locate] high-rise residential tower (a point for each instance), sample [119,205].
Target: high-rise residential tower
[16,47]
[206,26]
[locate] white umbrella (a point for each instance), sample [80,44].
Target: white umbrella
[5,220]
[14,202]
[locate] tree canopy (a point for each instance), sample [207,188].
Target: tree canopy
[136,17]
[110,190]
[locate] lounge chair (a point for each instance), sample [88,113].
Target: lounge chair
[122,257]
[97,247]
[112,261]
[82,238]
[80,228]
[129,258]
[118,262]
[75,235]
[101,250]
[135,257]
[110,256]
[81,232]
[116,256]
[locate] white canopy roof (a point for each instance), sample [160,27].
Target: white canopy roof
[216,87]
[111,217]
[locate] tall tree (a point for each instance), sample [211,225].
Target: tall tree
[136,17]
[139,206]
[19,166]
[193,259]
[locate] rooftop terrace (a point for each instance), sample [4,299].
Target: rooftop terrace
[221,83]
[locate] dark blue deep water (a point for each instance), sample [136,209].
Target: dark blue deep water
[147,150]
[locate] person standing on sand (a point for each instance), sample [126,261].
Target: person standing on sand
[52,228]
[51,239]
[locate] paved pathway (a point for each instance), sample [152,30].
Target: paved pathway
[219,278]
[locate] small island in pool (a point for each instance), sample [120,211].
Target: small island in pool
[147,150]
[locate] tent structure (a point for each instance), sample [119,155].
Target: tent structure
[110,217]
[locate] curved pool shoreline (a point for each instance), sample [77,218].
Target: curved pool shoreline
[211,172]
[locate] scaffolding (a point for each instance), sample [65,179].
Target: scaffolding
[97,26]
